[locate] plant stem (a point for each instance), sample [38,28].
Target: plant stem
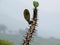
[32,28]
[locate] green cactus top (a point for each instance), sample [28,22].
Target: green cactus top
[35,3]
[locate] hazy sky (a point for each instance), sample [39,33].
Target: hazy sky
[11,14]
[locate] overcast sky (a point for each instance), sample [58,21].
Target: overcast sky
[11,14]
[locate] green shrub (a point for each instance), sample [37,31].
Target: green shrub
[5,42]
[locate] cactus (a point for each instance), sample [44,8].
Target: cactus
[27,15]
[32,27]
[35,3]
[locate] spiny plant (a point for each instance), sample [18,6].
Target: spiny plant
[32,23]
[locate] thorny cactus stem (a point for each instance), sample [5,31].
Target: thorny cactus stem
[32,28]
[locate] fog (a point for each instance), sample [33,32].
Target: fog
[11,14]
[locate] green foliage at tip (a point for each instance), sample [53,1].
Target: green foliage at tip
[27,15]
[35,3]
[4,42]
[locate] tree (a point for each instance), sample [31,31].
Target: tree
[33,24]
[2,27]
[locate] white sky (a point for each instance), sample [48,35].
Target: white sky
[48,15]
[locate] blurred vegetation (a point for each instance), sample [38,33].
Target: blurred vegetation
[5,42]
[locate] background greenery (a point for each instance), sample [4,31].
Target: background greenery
[18,40]
[5,42]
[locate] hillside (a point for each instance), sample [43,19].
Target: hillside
[17,40]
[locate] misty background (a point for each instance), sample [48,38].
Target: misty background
[12,19]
